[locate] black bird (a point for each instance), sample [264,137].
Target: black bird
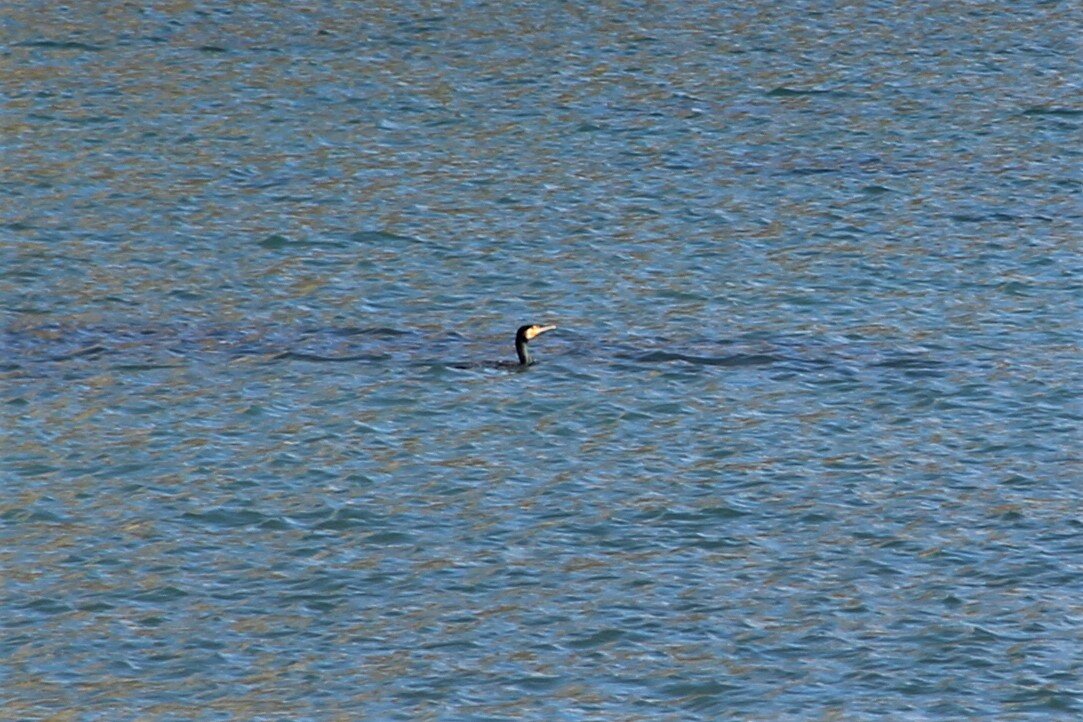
[522,337]
[525,335]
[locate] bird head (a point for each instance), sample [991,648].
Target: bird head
[530,331]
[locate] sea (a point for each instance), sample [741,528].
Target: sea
[805,445]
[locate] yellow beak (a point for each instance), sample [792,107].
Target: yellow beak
[535,330]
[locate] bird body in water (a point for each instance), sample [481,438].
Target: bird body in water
[524,336]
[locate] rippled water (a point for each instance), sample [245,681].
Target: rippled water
[805,446]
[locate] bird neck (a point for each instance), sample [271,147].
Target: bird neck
[525,359]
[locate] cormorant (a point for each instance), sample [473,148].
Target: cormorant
[524,336]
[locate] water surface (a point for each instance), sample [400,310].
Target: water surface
[805,446]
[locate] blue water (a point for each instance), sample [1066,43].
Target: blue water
[806,444]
